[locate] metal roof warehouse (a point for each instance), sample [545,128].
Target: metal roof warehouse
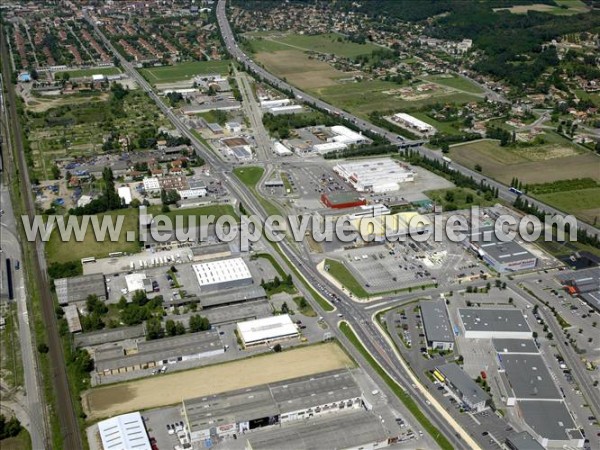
[481,323]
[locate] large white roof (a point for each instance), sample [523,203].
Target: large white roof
[221,271]
[268,328]
[124,432]
[125,193]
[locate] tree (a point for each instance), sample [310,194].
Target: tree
[9,428]
[43,348]
[478,167]
[170,327]
[198,323]
[154,329]
[445,147]
[284,308]
[277,348]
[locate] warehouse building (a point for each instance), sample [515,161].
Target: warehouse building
[340,200]
[116,359]
[124,432]
[346,136]
[94,338]
[138,282]
[281,150]
[77,289]
[482,323]
[529,377]
[518,346]
[509,256]
[328,147]
[375,175]
[467,391]
[551,424]
[585,284]
[267,330]
[233,297]
[522,441]
[223,415]
[222,274]
[352,430]
[410,122]
[438,331]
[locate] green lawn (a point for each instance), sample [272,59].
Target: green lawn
[307,311]
[456,198]
[210,210]
[89,72]
[328,43]
[61,252]
[341,273]
[455,82]
[444,127]
[584,203]
[184,71]
[594,96]
[21,441]
[398,391]
[250,175]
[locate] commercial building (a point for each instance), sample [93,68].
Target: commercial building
[290,109]
[375,175]
[469,392]
[436,324]
[551,424]
[328,147]
[522,441]
[267,330]
[339,200]
[78,289]
[392,226]
[482,323]
[529,377]
[151,184]
[233,127]
[124,432]
[115,359]
[585,284]
[518,346]
[509,256]
[281,149]
[124,192]
[408,121]
[72,317]
[267,104]
[138,282]
[237,412]
[222,274]
[351,430]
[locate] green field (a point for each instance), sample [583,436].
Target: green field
[329,43]
[583,203]
[21,441]
[594,97]
[444,127]
[184,71]
[455,82]
[456,198]
[365,97]
[250,176]
[89,72]
[341,273]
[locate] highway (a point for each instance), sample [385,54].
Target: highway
[364,125]
[65,411]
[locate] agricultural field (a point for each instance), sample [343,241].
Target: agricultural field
[184,71]
[170,389]
[444,127]
[77,126]
[564,8]
[454,199]
[329,43]
[455,82]
[89,72]
[539,164]
[583,203]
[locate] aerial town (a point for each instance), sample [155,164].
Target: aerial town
[150,298]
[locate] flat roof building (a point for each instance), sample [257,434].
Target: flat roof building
[469,392]
[267,330]
[584,283]
[346,136]
[436,324]
[411,122]
[509,256]
[281,150]
[138,282]
[72,317]
[222,274]
[77,289]
[124,192]
[481,323]
[340,200]
[159,352]
[529,377]
[551,424]
[522,441]
[261,406]
[520,346]
[328,147]
[392,226]
[124,432]
[375,175]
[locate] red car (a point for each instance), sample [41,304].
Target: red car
[483,375]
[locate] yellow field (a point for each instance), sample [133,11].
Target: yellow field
[169,389]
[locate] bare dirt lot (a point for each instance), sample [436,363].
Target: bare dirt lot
[300,70]
[503,164]
[169,389]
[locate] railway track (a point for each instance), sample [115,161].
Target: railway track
[69,426]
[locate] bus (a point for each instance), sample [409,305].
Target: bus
[514,190]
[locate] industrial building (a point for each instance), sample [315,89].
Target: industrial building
[78,289]
[469,392]
[281,150]
[529,377]
[436,324]
[339,200]
[518,346]
[267,330]
[482,323]
[522,441]
[236,412]
[585,284]
[375,175]
[124,432]
[350,430]
[346,136]
[222,274]
[115,359]
[72,318]
[386,227]
[138,282]
[551,424]
[328,147]
[509,256]
[410,122]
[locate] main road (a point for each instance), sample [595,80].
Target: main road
[242,58]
